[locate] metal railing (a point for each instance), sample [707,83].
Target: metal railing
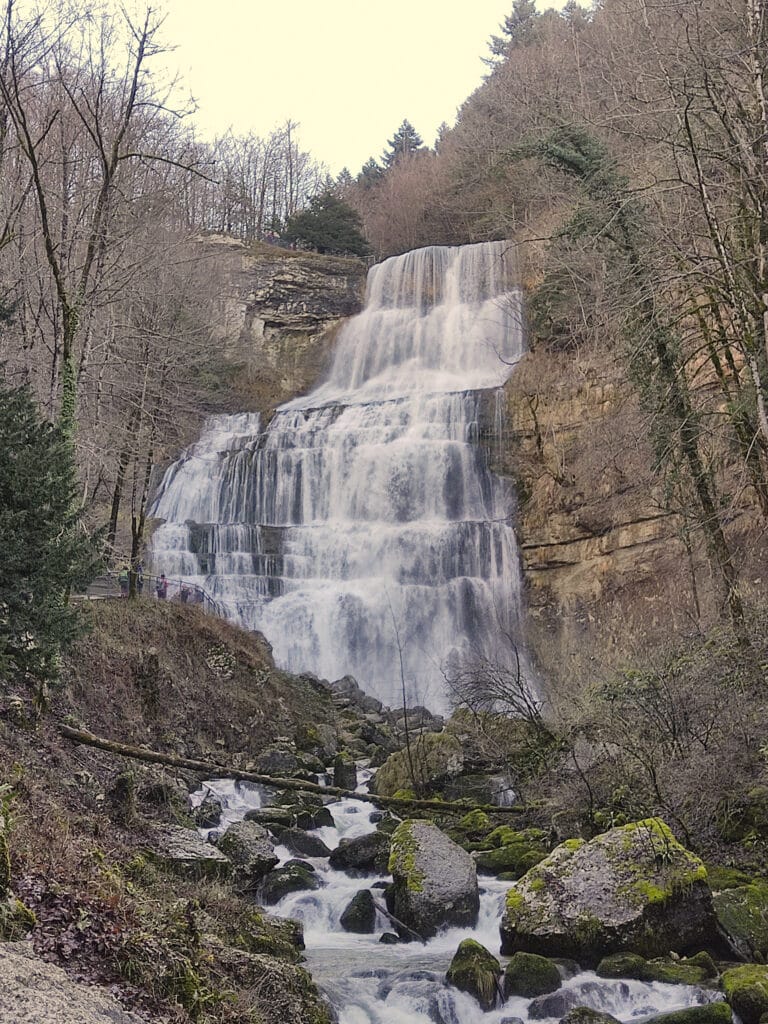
[113,586]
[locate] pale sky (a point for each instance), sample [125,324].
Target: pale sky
[348,71]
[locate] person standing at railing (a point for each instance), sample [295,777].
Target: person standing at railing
[140,578]
[161,587]
[123,580]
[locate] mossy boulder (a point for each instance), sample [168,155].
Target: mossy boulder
[281,881]
[530,975]
[696,971]
[746,989]
[586,1015]
[434,880]
[359,915]
[743,917]
[475,971]
[273,936]
[514,860]
[709,1013]
[721,878]
[436,757]
[248,846]
[634,888]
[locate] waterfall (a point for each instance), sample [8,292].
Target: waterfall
[362,531]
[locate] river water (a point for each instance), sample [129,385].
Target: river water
[361,531]
[371,983]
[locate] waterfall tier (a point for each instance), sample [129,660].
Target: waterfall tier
[361,531]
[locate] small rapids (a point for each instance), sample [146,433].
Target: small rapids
[368,982]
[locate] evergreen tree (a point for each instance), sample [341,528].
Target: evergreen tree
[329,226]
[344,180]
[518,29]
[405,141]
[370,174]
[45,548]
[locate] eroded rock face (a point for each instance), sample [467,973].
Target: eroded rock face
[633,888]
[34,992]
[435,881]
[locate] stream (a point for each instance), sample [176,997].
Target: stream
[368,982]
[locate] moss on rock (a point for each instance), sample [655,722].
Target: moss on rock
[475,971]
[743,916]
[517,858]
[673,972]
[529,975]
[746,989]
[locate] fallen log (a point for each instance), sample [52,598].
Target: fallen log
[213,770]
[397,922]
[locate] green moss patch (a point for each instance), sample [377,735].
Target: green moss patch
[528,975]
[475,971]
[746,989]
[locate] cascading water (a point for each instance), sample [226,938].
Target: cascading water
[371,983]
[362,532]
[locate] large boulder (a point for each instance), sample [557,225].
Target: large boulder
[248,846]
[746,989]
[294,877]
[34,992]
[363,853]
[475,971]
[434,758]
[183,851]
[634,888]
[303,844]
[742,914]
[360,914]
[529,975]
[434,880]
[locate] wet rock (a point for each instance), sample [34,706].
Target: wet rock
[557,1004]
[208,813]
[318,817]
[586,1015]
[529,975]
[183,851]
[363,853]
[304,844]
[389,939]
[360,914]
[746,989]
[475,971]
[344,772]
[35,992]
[674,972]
[709,1013]
[281,881]
[632,888]
[248,846]
[435,882]
[300,864]
[271,816]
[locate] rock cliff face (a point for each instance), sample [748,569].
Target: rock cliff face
[282,314]
[607,569]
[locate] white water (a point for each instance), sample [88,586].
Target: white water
[371,983]
[363,525]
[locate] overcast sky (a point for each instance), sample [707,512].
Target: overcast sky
[348,71]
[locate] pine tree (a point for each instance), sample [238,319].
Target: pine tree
[405,141]
[370,174]
[329,226]
[45,548]
[518,29]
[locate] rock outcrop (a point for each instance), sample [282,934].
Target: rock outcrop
[634,888]
[434,880]
[35,992]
